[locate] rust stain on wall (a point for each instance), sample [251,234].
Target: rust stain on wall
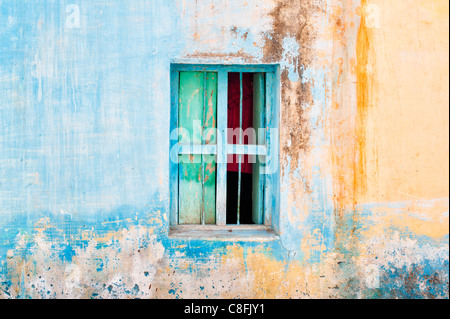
[352,76]
[341,129]
[364,81]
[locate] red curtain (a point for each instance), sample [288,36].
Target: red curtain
[233,116]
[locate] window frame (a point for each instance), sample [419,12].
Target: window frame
[221,149]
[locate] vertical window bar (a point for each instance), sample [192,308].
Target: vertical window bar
[221,181]
[240,142]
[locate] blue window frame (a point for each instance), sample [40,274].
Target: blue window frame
[266,148]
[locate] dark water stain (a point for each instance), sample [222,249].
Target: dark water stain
[293,18]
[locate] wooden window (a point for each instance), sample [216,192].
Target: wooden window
[224,147]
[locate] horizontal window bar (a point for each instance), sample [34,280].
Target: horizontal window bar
[196,149]
[242,149]
[247,149]
[222,67]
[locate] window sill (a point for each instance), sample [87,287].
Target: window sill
[248,233]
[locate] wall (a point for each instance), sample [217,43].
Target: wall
[84,148]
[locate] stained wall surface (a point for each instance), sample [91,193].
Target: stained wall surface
[84,148]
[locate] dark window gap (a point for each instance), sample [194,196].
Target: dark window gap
[234,97]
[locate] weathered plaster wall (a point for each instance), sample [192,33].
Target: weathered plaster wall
[84,148]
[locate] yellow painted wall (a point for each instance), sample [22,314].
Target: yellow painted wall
[404,119]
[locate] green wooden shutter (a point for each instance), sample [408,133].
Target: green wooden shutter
[197,172]
[258,122]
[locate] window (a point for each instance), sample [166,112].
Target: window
[224,151]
